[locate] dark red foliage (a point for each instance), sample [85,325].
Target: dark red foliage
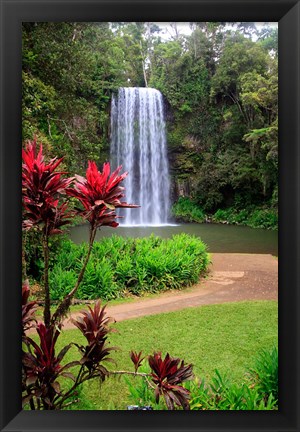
[100,194]
[94,326]
[42,367]
[28,309]
[41,187]
[137,359]
[167,375]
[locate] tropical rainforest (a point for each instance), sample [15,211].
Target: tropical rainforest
[220,86]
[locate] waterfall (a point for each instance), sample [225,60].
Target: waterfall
[138,143]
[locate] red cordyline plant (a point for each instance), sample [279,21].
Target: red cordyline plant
[166,378]
[167,375]
[42,368]
[46,208]
[100,194]
[136,359]
[94,325]
[42,187]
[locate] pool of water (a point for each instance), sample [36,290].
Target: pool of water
[218,237]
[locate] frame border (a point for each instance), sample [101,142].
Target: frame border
[287,13]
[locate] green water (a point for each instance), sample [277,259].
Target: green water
[219,238]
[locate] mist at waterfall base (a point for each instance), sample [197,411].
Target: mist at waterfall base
[138,143]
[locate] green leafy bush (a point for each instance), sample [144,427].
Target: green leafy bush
[61,282]
[250,216]
[263,218]
[265,373]
[258,392]
[125,265]
[97,281]
[221,394]
[256,217]
[187,211]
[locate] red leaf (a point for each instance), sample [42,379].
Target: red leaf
[41,188]
[93,324]
[167,375]
[99,193]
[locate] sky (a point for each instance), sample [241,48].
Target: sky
[185,29]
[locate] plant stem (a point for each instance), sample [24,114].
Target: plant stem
[130,373]
[47,314]
[141,374]
[65,304]
[72,389]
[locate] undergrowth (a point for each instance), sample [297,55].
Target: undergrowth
[186,210]
[120,266]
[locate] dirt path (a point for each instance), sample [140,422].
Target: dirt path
[232,277]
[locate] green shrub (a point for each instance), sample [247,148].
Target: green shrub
[258,393]
[250,216]
[62,280]
[256,217]
[263,218]
[187,211]
[120,265]
[98,281]
[221,394]
[124,270]
[265,373]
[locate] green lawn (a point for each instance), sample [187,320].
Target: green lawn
[226,336]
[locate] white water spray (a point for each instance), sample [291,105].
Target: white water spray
[139,144]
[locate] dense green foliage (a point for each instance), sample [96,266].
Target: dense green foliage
[187,210]
[119,266]
[251,216]
[265,373]
[221,394]
[220,86]
[69,72]
[222,91]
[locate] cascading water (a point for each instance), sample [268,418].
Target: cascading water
[139,145]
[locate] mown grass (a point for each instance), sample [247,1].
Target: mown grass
[226,337]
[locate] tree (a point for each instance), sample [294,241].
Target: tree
[240,56]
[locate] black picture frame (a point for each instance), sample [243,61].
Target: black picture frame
[287,13]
